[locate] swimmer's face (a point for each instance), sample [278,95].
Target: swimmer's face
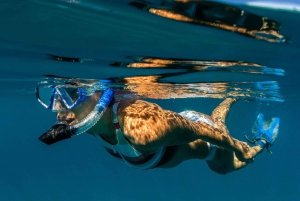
[81,111]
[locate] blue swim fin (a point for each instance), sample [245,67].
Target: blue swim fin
[265,131]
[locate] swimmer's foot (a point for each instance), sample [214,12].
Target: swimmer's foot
[264,131]
[234,100]
[230,101]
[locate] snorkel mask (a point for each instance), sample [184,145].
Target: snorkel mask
[71,97]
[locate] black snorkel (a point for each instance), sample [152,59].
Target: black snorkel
[61,130]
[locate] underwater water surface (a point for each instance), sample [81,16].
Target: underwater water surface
[179,54]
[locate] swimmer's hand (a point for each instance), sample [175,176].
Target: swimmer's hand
[244,153]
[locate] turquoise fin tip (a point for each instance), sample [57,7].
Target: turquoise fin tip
[264,131]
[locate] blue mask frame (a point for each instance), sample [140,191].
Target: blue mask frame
[69,103]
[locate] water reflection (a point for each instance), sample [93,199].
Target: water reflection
[141,87]
[157,86]
[154,87]
[218,15]
[67,59]
[191,65]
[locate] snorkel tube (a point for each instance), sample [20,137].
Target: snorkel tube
[61,130]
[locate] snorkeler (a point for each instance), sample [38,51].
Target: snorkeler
[145,136]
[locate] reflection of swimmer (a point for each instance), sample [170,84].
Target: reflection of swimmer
[144,135]
[218,15]
[150,87]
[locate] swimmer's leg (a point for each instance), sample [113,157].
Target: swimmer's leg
[223,162]
[222,110]
[193,150]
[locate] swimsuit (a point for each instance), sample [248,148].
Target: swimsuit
[197,116]
[124,150]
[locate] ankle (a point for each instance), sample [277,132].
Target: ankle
[262,143]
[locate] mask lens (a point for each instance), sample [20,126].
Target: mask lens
[45,96]
[72,94]
[68,96]
[60,98]
[58,105]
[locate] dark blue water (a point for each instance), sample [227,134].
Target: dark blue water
[103,32]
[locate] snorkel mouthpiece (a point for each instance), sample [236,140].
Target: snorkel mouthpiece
[59,131]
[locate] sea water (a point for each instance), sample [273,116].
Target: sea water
[55,41]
